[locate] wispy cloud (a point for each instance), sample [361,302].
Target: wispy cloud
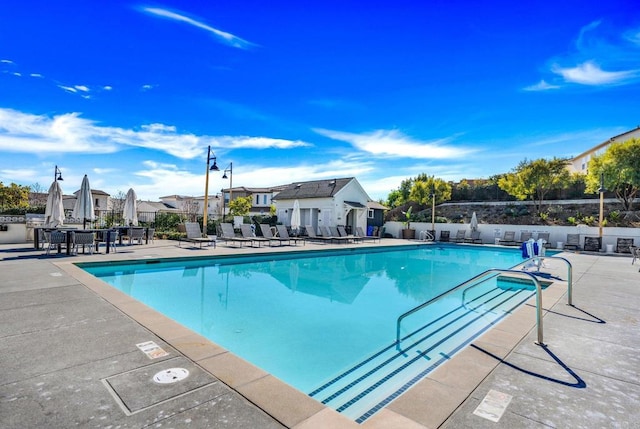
[222,36]
[589,73]
[69,133]
[6,62]
[392,143]
[602,55]
[541,86]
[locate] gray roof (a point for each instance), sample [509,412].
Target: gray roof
[313,189]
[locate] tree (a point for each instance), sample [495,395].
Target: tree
[620,167]
[240,206]
[535,179]
[422,189]
[14,196]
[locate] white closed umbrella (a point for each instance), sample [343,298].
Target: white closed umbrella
[130,211]
[54,211]
[83,209]
[474,222]
[295,216]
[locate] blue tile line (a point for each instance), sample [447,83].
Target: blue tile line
[419,356]
[384,350]
[401,352]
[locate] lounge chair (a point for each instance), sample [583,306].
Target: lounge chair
[474,238]
[283,233]
[311,233]
[268,234]
[592,244]
[343,234]
[360,234]
[460,236]
[333,234]
[247,232]
[445,236]
[525,236]
[193,235]
[509,239]
[544,236]
[623,245]
[573,242]
[228,235]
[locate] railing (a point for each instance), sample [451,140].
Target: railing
[473,279]
[569,273]
[425,236]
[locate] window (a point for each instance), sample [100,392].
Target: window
[370,213]
[264,199]
[257,199]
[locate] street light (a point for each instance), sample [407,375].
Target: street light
[224,176]
[214,167]
[433,210]
[602,191]
[57,174]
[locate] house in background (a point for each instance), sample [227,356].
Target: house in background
[375,216]
[261,198]
[580,163]
[325,203]
[147,210]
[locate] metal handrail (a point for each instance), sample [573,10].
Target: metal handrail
[569,273]
[425,236]
[484,273]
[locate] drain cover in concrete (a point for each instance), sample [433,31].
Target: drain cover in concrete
[138,390]
[171,375]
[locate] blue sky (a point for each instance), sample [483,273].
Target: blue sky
[131,94]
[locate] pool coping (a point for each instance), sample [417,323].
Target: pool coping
[440,393]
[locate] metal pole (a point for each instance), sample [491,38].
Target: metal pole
[601,190]
[206,195]
[433,213]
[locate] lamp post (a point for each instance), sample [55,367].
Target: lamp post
[601,190]
[214,167]
[224,176]
[433,209]
[57,174]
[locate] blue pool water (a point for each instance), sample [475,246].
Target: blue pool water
[325,322]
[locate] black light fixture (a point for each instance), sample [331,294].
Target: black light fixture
[230,177]
[57,174]
[601,190]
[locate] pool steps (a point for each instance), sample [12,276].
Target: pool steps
[355,392]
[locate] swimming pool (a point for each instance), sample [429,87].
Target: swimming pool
[324,321]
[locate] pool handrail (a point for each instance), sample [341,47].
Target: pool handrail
[569,273]
[540,340]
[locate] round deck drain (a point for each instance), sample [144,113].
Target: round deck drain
[171,375]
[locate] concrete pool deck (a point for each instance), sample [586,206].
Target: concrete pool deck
[69,357]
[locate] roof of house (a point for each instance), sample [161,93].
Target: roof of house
[313,189]
[605,143]
[376,205]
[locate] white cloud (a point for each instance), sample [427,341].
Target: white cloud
[82,88]
[68,88]
[393,143]
[541,86]
[69,133]
[589,73]
[6,62]
[147,87]
[222,36]
[107,88]
[36,75]
[17,74]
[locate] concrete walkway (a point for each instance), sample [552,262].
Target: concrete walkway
[70,359]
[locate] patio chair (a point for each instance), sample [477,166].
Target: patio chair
[109,238]
[311,233]
[592,244]
[460,236]
[525,236]
[623,245]
[268,234]
[573,242]
[283,233]
[194,235]
[544,236]
[55,240]
[508,239]
[84,239]
[228,235]
[445,236]
[334,234]
[635,252]
[360,233]
[474,238]
[149,235]
[137,234]
[247,233]
[343,234]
